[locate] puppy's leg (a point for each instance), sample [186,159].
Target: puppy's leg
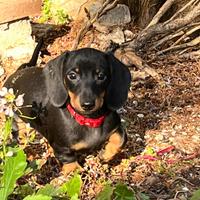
[67,168]
[68,158]
[115,142]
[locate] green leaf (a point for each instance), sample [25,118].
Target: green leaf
[75,197]
[13,169]
[73,186]
[48,190]
[122,192]
[24,190]
[37,197]
[106,193]
[196,195]
[8,128]
[144,196]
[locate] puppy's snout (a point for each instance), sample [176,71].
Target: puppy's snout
[88,105]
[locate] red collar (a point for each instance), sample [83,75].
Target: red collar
[90,122]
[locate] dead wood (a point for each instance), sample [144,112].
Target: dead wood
[164,28]
[188,33]
[129,58]
[191,55]
[161,12]
[105,7]
[181,10]
[178,33]
[192,43]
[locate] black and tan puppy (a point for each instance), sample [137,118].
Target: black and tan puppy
[74,101]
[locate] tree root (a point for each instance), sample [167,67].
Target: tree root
[105,7]
[165,28]
[192,43]
[161,12]
[129,58]
[191,55]
[196,28]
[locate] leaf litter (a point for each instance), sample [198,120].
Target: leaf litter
[162,155]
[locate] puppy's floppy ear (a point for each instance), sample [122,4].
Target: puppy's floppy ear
[117,90]
[54,80]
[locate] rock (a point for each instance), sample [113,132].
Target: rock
[116,36]
[16,41]
[13,10]
[120,15]
[128,35]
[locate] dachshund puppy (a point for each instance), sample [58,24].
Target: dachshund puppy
[73,103]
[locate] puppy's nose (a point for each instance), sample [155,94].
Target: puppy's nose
[89,105]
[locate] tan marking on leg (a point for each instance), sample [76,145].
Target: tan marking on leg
[70,167]
[112,147]
[66,170]
[79,146]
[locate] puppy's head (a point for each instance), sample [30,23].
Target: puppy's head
[89,78]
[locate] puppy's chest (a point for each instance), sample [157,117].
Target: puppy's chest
[82,137]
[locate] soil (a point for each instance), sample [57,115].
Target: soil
[162,155]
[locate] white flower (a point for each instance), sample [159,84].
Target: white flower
[9,112]
[2,101]
[9,153]
[3,91]
[1,71]
[11,91]
[19,100]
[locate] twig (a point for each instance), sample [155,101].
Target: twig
[89,23]
[181,10]
[174,35]
[187,34]
[192,43]
[161,12]
[193,54]
[160,28]
[128,57]
[109,7]
[167,38]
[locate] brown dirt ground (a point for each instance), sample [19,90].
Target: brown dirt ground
[161,157]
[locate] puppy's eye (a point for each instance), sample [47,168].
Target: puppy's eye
[101,76]
[72,76]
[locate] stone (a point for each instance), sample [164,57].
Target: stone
[116,36]
[16,41]
[118,16]
[17,9]
[129,35]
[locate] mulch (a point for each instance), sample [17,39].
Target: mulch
[162,155]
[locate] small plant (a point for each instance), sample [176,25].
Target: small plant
[120,192]
[195,195]
[46,11]
[13,163]
[59,16]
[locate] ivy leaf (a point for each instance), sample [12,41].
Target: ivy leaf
[47,190]
[73,186]
[122,192]
[37,197]
[195,195]
[144,196]
[106,193]
[74,197]
[13,169]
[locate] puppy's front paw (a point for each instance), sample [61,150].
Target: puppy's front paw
[66,170]
[70,167]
